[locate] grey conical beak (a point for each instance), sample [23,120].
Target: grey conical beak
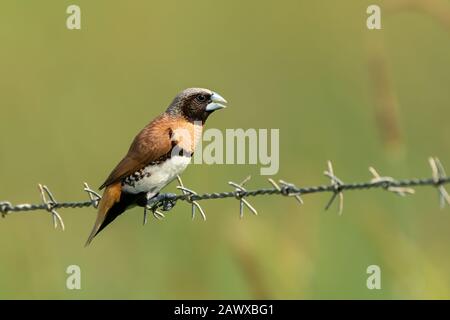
[217,102]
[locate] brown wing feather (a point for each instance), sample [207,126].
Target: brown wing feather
[109,198]
[150,144]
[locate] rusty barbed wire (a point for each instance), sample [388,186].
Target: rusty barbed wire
[166,201]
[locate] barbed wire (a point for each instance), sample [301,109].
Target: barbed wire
[166,201]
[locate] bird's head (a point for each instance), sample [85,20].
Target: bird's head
[196,104]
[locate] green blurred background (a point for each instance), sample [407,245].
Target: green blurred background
[71,101]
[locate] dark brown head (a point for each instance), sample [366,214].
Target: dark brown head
[196,104]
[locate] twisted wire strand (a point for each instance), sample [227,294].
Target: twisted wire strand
[314,189]
[7,207]
[167,201]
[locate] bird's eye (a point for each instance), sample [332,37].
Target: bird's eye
[201,98]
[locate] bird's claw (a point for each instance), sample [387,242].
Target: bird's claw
[165,202]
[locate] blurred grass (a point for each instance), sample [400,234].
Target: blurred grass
[71,101]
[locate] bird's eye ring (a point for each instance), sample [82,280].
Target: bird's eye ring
[201,97]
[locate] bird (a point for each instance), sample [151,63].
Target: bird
[158,154]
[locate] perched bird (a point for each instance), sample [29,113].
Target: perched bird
[160,152]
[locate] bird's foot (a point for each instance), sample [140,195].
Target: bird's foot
[165,202]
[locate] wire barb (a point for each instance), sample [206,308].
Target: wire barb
[156,214]
[439,177]
[239,194]
[286,189]
[386,183]
[189,193]
[154,209]
[336,184]
[166,201]
[93,196]
[50,204]
[4,208]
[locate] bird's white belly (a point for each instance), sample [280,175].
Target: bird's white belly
[156,177]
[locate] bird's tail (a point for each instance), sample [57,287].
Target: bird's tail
[108,209]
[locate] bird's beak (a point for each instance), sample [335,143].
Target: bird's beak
[217,102]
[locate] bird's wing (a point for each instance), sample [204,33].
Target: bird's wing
[110,197]
[153,142]
[150,144]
